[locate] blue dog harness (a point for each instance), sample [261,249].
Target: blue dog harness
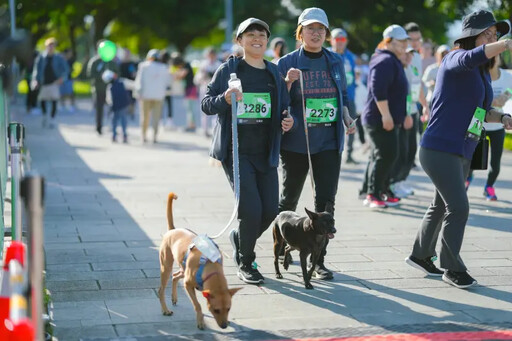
[202,262]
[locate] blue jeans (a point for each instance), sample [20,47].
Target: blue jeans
[120,115]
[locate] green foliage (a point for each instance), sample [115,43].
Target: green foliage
[508,141]
[141,25]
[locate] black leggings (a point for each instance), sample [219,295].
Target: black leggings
[497,138]
[383,156]
[54,107]
[326,172]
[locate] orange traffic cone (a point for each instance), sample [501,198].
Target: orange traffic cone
[15,251]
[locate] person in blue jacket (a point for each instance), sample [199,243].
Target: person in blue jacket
[50,71]
[325,101]
[261,122]
[461,98]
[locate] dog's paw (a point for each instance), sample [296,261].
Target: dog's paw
[279,276]
[308,286]
[167,312]
[174,301]
[286,265]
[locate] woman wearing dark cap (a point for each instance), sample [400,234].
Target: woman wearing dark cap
[325,90]
[260,127]
[462,96]
[384,113]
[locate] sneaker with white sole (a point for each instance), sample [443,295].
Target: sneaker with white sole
[250,274]
[406,188]
[426,265]
[461,280]
[374,202]
[321,272]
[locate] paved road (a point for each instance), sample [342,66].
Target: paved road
[105,215]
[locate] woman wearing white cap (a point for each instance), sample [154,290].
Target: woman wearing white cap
[384,113]
[324,87]
[460,104]
[260,127]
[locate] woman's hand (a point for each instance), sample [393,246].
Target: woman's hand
[408,122]
[227,95]
[500,100]
[292,75]
[287,121]
[349,122]
[387,122]
[507,122]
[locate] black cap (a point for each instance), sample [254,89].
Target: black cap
[475,23]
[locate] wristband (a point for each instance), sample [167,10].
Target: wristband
[504,115]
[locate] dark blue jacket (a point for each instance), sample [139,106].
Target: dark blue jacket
[214,103]
[297,59]
[120,97]
[386,81]
[459,90]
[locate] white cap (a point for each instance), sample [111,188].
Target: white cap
[395,32]
[443,48]
[107,76]
[312,15]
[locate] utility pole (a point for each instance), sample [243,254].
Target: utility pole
[228,7]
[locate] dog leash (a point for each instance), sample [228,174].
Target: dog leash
[301,81]
[236,169]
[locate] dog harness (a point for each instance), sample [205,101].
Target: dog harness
[202,262]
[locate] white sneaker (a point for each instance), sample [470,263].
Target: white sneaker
[406,188]
[398,190]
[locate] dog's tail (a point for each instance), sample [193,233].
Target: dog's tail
[170,220]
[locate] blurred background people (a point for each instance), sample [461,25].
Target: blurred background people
[50,71]
[185,72]
[151,85]
[95,68]
[66,88]
[204,75]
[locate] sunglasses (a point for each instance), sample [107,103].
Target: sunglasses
[341,39]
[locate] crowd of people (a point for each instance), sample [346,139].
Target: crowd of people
[295,109]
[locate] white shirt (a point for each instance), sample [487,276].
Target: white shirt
[413,73]
[152,80]
[499,86]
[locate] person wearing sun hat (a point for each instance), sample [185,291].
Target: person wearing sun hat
[461,102]
[261,124]
[325,91]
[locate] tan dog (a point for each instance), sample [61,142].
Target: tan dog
[175,246]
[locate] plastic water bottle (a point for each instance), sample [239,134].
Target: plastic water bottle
[207,247]
[235,83]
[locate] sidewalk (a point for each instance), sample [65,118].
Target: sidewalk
[105,215]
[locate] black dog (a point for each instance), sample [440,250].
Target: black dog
[308,235]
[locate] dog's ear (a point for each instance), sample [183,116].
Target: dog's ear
[206,294]
[329,207]
[233,291]
[311,215]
